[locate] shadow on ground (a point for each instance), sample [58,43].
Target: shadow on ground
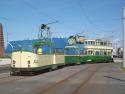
[115,78]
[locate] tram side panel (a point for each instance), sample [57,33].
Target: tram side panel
[28,61]
[72,59]
[59,59]
[50,61]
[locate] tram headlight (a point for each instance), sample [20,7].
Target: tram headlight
[13,66]
[28,63]
[14,61]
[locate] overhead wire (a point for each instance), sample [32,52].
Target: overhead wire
[38,10]
[87,17]
[42,13]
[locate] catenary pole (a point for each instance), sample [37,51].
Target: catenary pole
[124,36]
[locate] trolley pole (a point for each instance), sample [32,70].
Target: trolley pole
[124,37]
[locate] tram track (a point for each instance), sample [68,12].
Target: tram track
[92,69]
[84,82]
[49,88]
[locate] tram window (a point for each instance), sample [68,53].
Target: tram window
[97,52]
[86,43]
[105,53]
[71,51]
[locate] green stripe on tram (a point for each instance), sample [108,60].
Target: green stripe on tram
[88,58]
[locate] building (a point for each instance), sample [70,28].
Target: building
[88,47]
[97,47]
[1,41]
[118,52]
[27,45]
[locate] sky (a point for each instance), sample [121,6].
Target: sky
[21,19]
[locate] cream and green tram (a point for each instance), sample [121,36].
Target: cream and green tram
[72,55]
[29,62]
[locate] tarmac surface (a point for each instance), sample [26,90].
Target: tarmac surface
[104,78]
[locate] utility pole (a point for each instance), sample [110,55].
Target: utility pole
[124,37]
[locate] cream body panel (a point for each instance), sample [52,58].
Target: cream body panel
[50,59]
[44,60]
[15,58]
[59,59]
[99,47]
[28,57]
[22,59]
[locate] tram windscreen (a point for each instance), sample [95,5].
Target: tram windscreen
[17,46]
[71,51]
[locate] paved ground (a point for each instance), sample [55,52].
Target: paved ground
[110,79]
[80,79]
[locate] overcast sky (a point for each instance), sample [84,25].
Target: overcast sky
[97,18]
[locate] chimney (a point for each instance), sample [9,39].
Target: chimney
[1,41]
